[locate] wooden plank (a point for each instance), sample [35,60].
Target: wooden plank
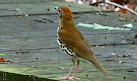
[19,43]
[35,26]
[49,60]
[20,1]
[40,7]
[29,42]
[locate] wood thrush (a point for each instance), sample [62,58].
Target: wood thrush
[73,44]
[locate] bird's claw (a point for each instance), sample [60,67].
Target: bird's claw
[69,78]
[74,78]
[64,78]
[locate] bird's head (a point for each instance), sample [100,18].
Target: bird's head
[64,13]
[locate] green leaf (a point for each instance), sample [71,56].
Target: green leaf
[2,54]
[98,26]
[128,25]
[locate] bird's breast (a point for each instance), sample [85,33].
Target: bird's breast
[64,48]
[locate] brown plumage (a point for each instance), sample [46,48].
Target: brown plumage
[71,37]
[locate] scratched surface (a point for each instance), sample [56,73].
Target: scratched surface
[28,38]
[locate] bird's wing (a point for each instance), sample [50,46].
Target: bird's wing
[66,38]
[75,44]
[81,48]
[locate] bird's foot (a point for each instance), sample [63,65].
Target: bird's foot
[64,78]
[74,78]
[69,78]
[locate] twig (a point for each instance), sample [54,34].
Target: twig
[115,4]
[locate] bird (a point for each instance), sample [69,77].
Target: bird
[73,44]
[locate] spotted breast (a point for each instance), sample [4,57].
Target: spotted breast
[71,40]
[65,49]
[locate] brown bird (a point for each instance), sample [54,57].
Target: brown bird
[73,44]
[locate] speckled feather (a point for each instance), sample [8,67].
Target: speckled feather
[72,39]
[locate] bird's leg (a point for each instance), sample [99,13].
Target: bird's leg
[76,69]
[67,77]
[74,77]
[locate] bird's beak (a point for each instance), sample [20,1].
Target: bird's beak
[59,11]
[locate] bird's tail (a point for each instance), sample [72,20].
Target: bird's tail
[97,64]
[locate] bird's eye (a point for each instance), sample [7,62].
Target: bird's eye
[59,11]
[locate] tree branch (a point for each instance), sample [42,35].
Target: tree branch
[115,4]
